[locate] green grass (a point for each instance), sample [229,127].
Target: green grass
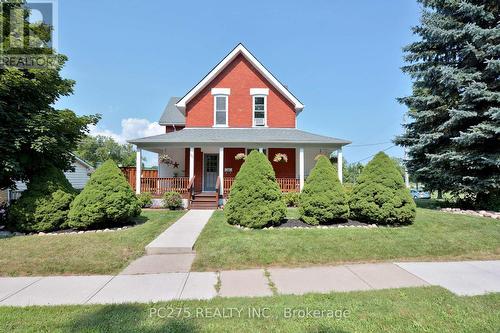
[90,253]
[435,235]
[430,309]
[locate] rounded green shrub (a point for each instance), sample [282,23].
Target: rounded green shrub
[380,195]
[145,199]
[172,200]
[255,197]
[291,199]
[323,199]
[106,200]
[44,206]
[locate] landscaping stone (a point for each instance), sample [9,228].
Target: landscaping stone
[248,283]
[5,234]
[481,213]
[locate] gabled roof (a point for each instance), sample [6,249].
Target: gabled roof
[239,137]
[239,49]
[83,162]
[171,115]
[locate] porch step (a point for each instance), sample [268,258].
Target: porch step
[204,200]
[203,205]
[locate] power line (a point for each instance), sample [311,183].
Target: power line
[368,144]
[375,154]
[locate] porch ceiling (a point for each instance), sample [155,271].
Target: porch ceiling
[239,137]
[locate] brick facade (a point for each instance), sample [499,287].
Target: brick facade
[240,76]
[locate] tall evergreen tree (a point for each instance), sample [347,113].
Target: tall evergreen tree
[453,137]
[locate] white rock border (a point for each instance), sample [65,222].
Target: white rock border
[5,234]
[480,213]
[369,226]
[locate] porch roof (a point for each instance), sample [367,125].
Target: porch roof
[239,137]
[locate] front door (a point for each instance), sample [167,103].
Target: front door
[210,169]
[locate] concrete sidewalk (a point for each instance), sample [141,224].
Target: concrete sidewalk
[462,278]
[181,236]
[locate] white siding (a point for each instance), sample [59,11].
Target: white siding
[166,171]
[309,159]
[79,177]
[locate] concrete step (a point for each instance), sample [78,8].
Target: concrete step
[182,235]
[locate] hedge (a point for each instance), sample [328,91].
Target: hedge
[380,195]
[323,199]
[106,200]
[255,197]
[44,206]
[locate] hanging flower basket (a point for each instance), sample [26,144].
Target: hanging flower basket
[280,158]
[165,159]
[240,156]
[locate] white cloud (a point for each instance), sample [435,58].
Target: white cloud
[132,128]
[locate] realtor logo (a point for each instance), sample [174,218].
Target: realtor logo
[28,34]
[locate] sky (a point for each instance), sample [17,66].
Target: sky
[341,58]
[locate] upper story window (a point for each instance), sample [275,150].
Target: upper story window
[259,106]
[259,110]
[221,101]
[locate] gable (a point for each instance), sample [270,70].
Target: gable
[239,50]
[239,78]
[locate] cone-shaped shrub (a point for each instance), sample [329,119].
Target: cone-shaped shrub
[255,197]
[323,199]
[44,206]
[106,200]
[380,195]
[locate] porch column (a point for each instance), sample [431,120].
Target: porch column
[138,171]
[261,150]
[221,169]
[339,164]
[301,168]
[191,163]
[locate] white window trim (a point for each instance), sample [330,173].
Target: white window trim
[215,110]
[253,110]
[221,91]
[259,91]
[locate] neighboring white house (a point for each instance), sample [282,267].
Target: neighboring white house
[77,178]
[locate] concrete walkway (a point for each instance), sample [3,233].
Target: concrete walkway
[462,278]
[182,235]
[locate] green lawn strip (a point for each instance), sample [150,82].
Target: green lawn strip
[89,253]
[429,309]
[434,236]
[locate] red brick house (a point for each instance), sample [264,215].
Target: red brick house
[238,106]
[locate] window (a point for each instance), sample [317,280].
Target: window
[220,102]
[259,110]
[249,150]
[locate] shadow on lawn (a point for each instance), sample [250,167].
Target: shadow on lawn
[125,318]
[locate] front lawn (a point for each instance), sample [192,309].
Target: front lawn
[435,235]
[89,253]
[430,309]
